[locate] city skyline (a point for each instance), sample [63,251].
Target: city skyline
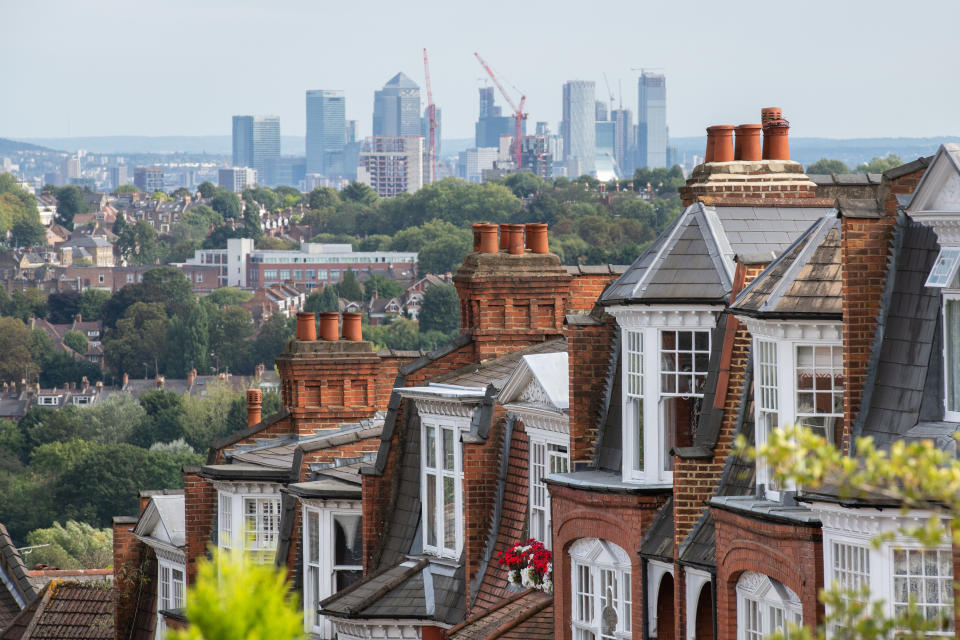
[742,72]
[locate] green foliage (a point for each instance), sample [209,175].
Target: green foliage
[359,192]
[12,439]
[63,306]
[226,203]
[265,197]
[175,447]
[399,334]
[207,189]
[24,305]
[91,303]
[230,329]
[127,188]
[827,166]
[162,421]
[236,597]
[75,545]
[19,214]
[320,300]
[270,242]
[138,341]
[111,420]
[225,296]
[523,184]
[383,286]
[349,288]
[323,197]
[70,202]
[272,339]
[165,285]
[15,342]
[76,341]
[661,181]
[440,309]
[879,165]
[207,417]
[139,244]
[27,233]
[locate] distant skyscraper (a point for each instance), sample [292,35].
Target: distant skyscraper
[396,108]
[326,130]
[148,179]
[601,110]
[255,139]
[492,124]
[353,131]
[392,165]
[118,176]
[237,179]
[578,127]
[652,121]
[488,107]
[623,144]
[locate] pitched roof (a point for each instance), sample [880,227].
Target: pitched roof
[805,281]
[16,591]
[401,81]
[66,611]
[163,520]
[693,259]
[658,541]
[527,614]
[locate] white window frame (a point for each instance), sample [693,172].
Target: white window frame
[458,426]
[859,528]
[555,451]
[764,606]
[171,591]
[656,572]
[319,559]
[652,322]
[777,398]
[232,521]
[594,563]
[949,414]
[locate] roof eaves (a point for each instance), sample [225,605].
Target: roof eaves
[718,245]
[818,232]
[234,438]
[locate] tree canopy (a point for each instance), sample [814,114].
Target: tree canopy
[827,166]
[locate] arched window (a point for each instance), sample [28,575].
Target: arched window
[600,573]
[765,606]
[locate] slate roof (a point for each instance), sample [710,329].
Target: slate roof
[904,384]
[693,259]
[527,615]
[701,550]
[497,371]
[16,591]
[658,541]
[66,611]
[804,282]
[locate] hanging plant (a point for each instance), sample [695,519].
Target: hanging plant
[529,564]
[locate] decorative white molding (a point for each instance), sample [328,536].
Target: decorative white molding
[946,224]
[248,489]
[333,504]
[543,424]
[172,556]
[445,408]
[696,581]
[379,629]
[793,330]
[635,316]
[865,523]
[535,394]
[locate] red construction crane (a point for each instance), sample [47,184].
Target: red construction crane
[518,113]
[432,115]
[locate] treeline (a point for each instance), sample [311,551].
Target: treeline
[19,216]
[88,463]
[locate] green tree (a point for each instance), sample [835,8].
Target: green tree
[196,343]
[323,197]
[140,245]
[523,183]
[163,419]
[236,596]
[12,440]
[207,189]
[75,545]
[827,166]
[321,300]
[70,202]
[63,306]
[181,193]
[226,203]
[166,285]
[252,224]
[272,339]
[27,233]
[266,197]
[359,192]
[139,339]
[206,418]
[349,288]
[445,254]
[76,341]
[383,286]
[228,295]
[399,334]
[91,303]
[127,188]
[111,420]
[234,328]
[31,303]
[879,165]
[15,342]
[440,310]
[273,243]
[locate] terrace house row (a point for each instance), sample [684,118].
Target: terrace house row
[597,412]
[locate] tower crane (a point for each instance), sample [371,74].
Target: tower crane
[609,92]
[432,117]
[518,113]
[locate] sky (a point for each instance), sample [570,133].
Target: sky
[838,68]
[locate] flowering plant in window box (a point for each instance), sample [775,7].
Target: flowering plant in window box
[528,564]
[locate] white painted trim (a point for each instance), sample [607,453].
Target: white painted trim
[460,425]
[325,558]
[696,580]
[948,294]
[640,316]
[656,570]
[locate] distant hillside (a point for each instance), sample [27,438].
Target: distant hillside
[8,147]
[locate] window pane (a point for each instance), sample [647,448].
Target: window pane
[952,355]
[313,529]
[430,444]
[431,510]
[636,421]
[348,549]
[345,578]
[449,513]
[448,451]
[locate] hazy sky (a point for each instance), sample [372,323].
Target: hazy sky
[838,68]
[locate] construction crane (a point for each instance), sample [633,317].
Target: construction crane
[518,113]
[609,92]
[432,117]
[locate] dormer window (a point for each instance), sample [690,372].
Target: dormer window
[943,276]
[798,379]
[666,356]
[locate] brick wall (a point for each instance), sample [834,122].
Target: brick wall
[585,290]
[588,359]
[865,249]
[200,511]
[790,553]
[620,518]
[758,182]
[128,555]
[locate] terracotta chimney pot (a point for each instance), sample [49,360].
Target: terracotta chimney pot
[748,142]
[537,240]
[330,326]
[254,406]
[477,230]
[505,237]
[306,326]
[488,238]
[722,148]
[776,139]
[515,247]
[352,327]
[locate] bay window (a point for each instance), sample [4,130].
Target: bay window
[951,357]
[665,360]
[250,520]
[171,588]
[546,457]
[602,607]
[765,606]
[332,556]
[442,488]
